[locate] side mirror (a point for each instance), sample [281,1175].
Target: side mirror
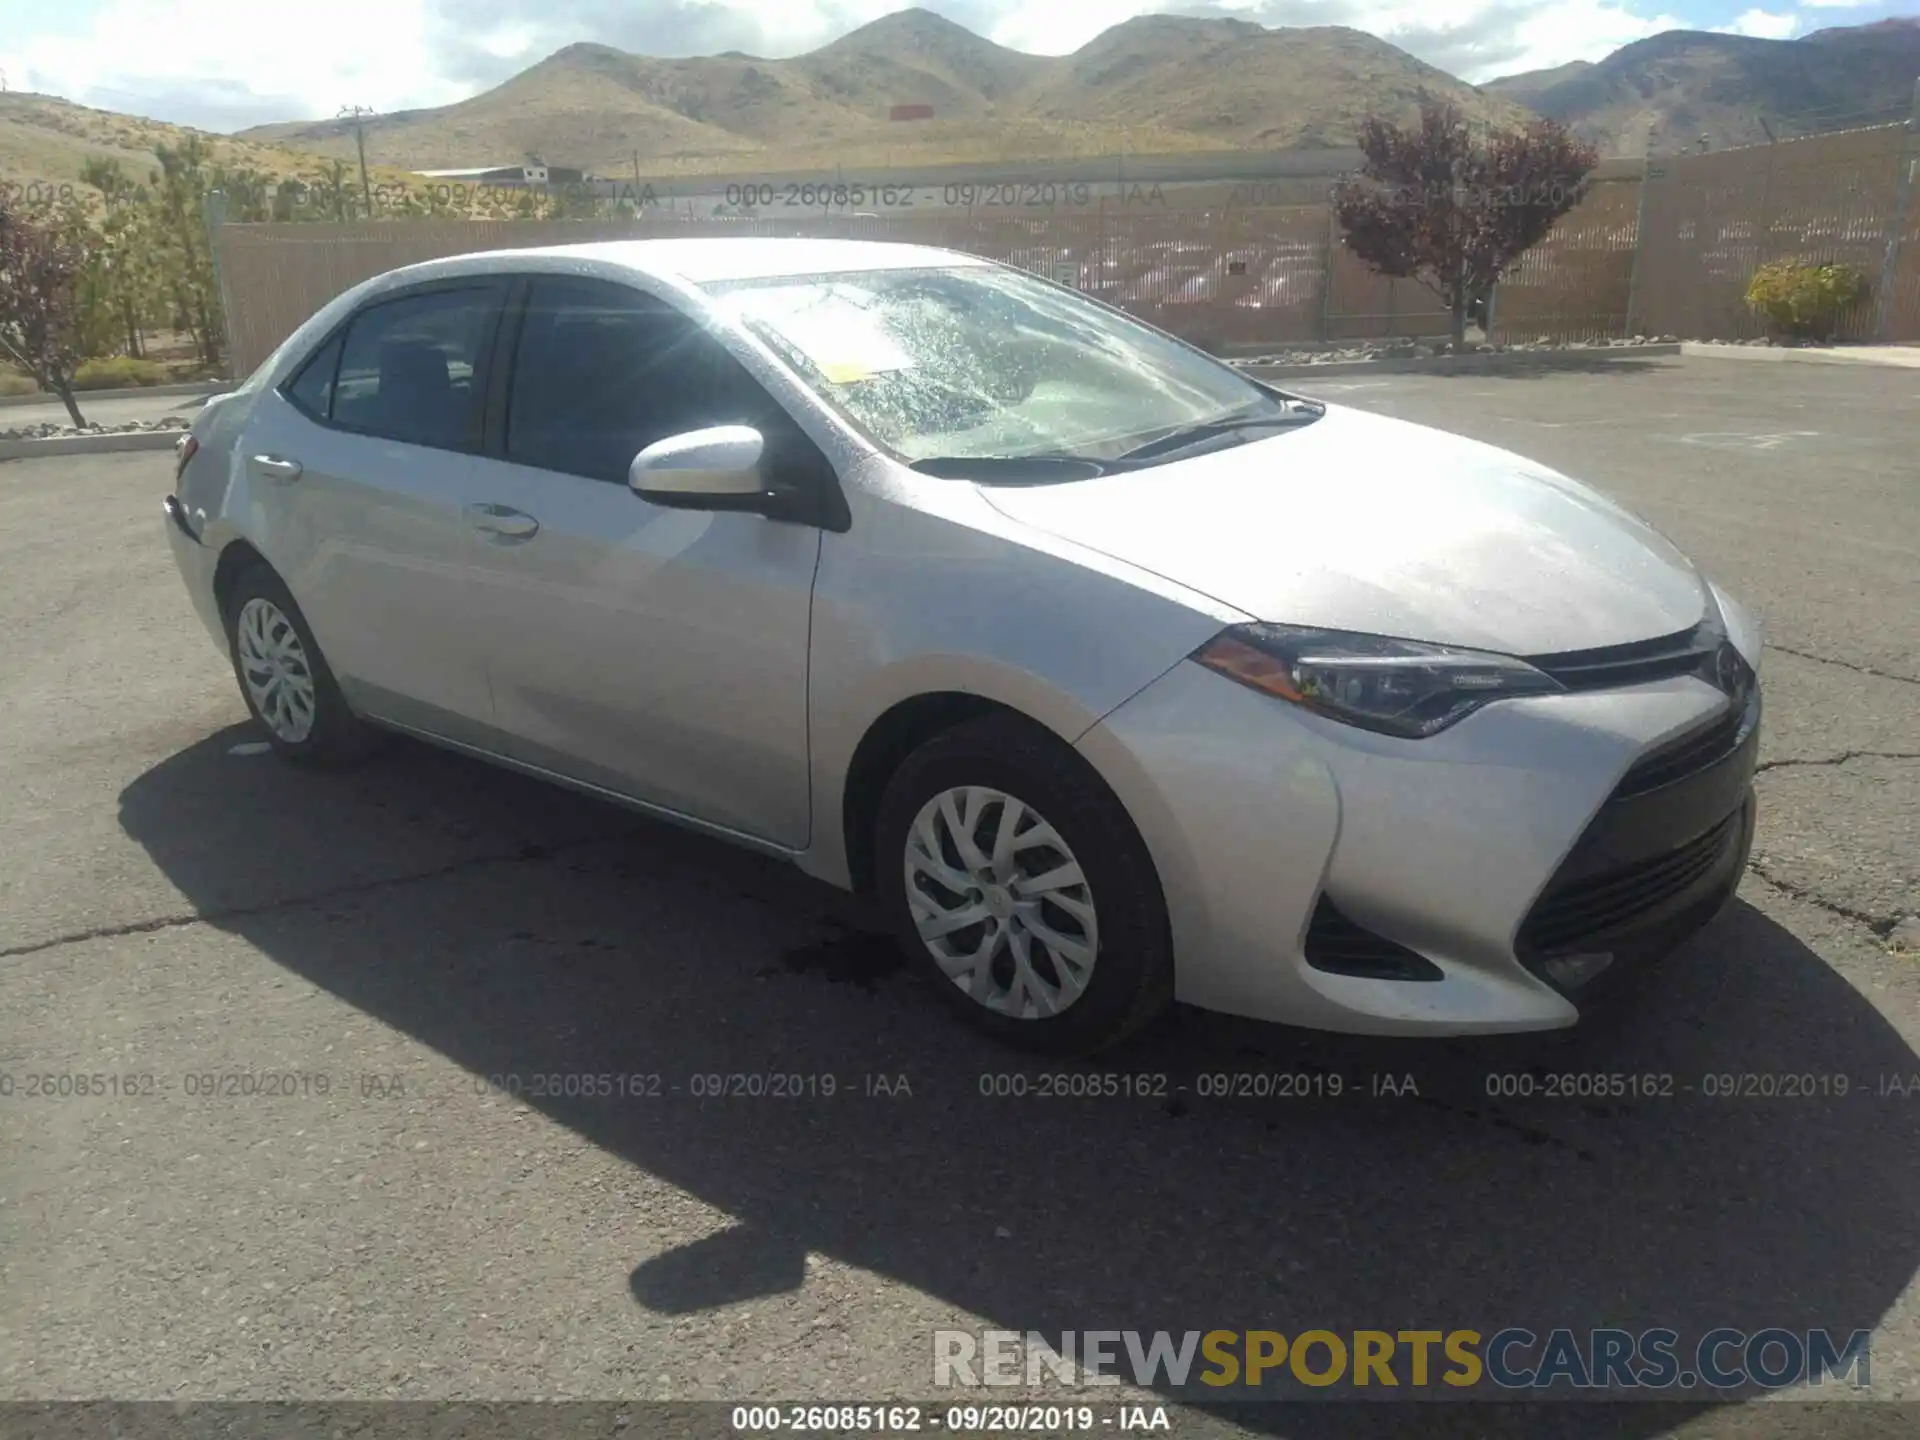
[716,469]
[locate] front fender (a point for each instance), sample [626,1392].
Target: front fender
[947,596]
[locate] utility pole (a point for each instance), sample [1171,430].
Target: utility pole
[358,115]
[1763,250]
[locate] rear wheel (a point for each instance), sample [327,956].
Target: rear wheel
[284,678]
[1008,866]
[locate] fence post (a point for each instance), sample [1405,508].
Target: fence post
[216,216]
[1639,235]
[1896,231]
[1326,275]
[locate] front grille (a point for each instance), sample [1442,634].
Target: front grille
[1612,667]
[1575,911]
[1342,946]
[1688,755]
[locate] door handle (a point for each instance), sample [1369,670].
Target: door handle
[503,521]
[277,467]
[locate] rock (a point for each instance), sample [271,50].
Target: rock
[1906,935]
[48,430]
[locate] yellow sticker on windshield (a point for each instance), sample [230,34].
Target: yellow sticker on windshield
[846,372]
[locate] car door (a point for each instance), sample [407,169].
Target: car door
[658,652]
[365,465]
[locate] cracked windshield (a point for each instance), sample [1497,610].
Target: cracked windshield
[984,363]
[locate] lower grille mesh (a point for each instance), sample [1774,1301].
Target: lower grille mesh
[1689,754]
[1575,911]
[1342,946]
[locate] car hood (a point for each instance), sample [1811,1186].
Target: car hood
[1358,522]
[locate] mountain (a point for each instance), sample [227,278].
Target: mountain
[1238,83]
[1529,86]
[1892,25]
[1152,84]
[1689,83]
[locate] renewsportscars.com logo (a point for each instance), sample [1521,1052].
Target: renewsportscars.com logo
[1408,1361]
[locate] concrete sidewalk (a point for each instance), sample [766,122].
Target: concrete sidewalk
[1902,355]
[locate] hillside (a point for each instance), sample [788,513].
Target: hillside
[1152,84]
[45,139]
[1240,84]
[1688,83]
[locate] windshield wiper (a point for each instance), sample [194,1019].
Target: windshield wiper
[1190,435]
[1015,469]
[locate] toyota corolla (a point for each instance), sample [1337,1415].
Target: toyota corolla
[1117,676]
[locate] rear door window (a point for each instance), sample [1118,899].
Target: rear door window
[410,367]
[312,388]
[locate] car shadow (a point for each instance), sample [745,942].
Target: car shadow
[522,931]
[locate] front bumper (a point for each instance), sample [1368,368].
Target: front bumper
[197,564]
[1467,848]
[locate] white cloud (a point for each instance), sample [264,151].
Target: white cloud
[226,64]
[152,56]
[1763,24]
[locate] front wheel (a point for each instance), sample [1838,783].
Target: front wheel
[1007,865]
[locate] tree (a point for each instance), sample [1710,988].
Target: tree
[1430,204]
[124,283]
[44,260]
[181,186]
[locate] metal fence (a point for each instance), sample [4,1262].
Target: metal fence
[1710,220]
[1667,253]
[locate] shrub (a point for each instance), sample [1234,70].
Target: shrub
[119,372]
[12,384]
[1804,301]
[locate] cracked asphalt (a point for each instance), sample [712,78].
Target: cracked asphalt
[400,954]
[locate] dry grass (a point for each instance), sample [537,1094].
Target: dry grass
[45,142]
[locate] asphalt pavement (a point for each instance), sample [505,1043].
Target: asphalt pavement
[331,999]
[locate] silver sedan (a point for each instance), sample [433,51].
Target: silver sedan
[1119,677]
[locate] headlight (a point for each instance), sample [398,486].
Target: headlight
[1397,687]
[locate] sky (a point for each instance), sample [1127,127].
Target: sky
[227,64]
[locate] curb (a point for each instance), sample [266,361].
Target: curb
[1908,359]
[191,387]
[1471,364]
[89,444]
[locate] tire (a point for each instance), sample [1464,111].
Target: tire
[984,768]
[323,732]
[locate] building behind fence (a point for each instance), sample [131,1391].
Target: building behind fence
[1668,252]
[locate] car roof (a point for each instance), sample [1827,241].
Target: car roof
[710,258]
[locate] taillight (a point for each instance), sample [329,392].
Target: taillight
[184,450]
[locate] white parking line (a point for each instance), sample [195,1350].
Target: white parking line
[1742,440]
[1635,420]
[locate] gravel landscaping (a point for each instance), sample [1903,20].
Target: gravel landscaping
[1427,350]
[50,431]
